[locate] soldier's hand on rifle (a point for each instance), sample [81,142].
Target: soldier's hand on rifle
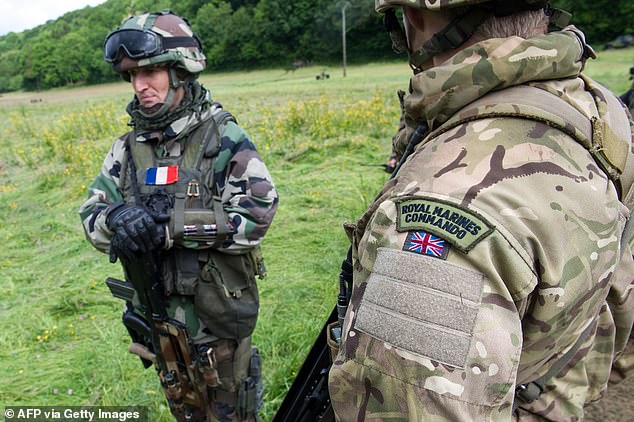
[135,230]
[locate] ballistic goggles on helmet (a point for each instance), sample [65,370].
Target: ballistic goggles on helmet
[142,43]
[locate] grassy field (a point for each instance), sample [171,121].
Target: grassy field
[61,340]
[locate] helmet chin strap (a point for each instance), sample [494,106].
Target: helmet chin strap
[456,33]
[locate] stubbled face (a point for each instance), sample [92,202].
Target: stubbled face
[151,85]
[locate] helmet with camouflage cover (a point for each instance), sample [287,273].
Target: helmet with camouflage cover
[152,39]
[469,16]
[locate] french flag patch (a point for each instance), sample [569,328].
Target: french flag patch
[161,175]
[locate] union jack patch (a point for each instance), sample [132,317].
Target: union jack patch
[426,244]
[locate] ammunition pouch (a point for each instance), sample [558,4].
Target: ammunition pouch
[251,392]
[181,272]
[226,296]
[223,287]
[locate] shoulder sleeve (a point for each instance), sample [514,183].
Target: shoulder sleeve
[432,320]
[248,194]
[103,191]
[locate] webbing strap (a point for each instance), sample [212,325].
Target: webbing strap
[210,131]
[618,119]
[602,138]
[179,215]
[221,222]
[552,105]
[220,118]
[132,167]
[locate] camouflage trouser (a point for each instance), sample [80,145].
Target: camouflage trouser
[238,393]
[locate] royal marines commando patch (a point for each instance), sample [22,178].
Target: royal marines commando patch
[461,227]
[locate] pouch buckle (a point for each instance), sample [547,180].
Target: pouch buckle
[193,189]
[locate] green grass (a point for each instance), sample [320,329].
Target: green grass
[61,340]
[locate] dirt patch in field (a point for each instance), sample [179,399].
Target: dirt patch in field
[617,406]
[66,94]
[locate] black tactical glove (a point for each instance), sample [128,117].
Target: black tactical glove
[136,232]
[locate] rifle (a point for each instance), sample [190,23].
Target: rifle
[308,399]
[161,340]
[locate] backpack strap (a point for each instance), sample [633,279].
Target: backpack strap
[618,119]
[617,138]
[210,150]
[607,138]
[131,165]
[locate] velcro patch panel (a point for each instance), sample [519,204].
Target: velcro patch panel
[420,304]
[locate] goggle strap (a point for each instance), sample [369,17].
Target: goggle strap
[173,42]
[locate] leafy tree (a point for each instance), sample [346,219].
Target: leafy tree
[10,68]
[601,20]
[74,66]
[212,24]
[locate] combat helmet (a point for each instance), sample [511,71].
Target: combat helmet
[152,39]
[156,39]
[461,28]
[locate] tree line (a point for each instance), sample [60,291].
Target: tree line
[238,34]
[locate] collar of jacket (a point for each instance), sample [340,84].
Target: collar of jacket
[494,64]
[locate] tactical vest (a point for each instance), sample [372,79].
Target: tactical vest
[223,285]
[608,139]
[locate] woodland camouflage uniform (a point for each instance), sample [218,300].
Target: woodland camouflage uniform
[499,241]
[209,282]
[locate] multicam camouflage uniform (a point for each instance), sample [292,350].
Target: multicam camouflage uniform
[210,283]
[497,244]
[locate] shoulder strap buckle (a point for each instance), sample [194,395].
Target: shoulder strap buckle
[529,392]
